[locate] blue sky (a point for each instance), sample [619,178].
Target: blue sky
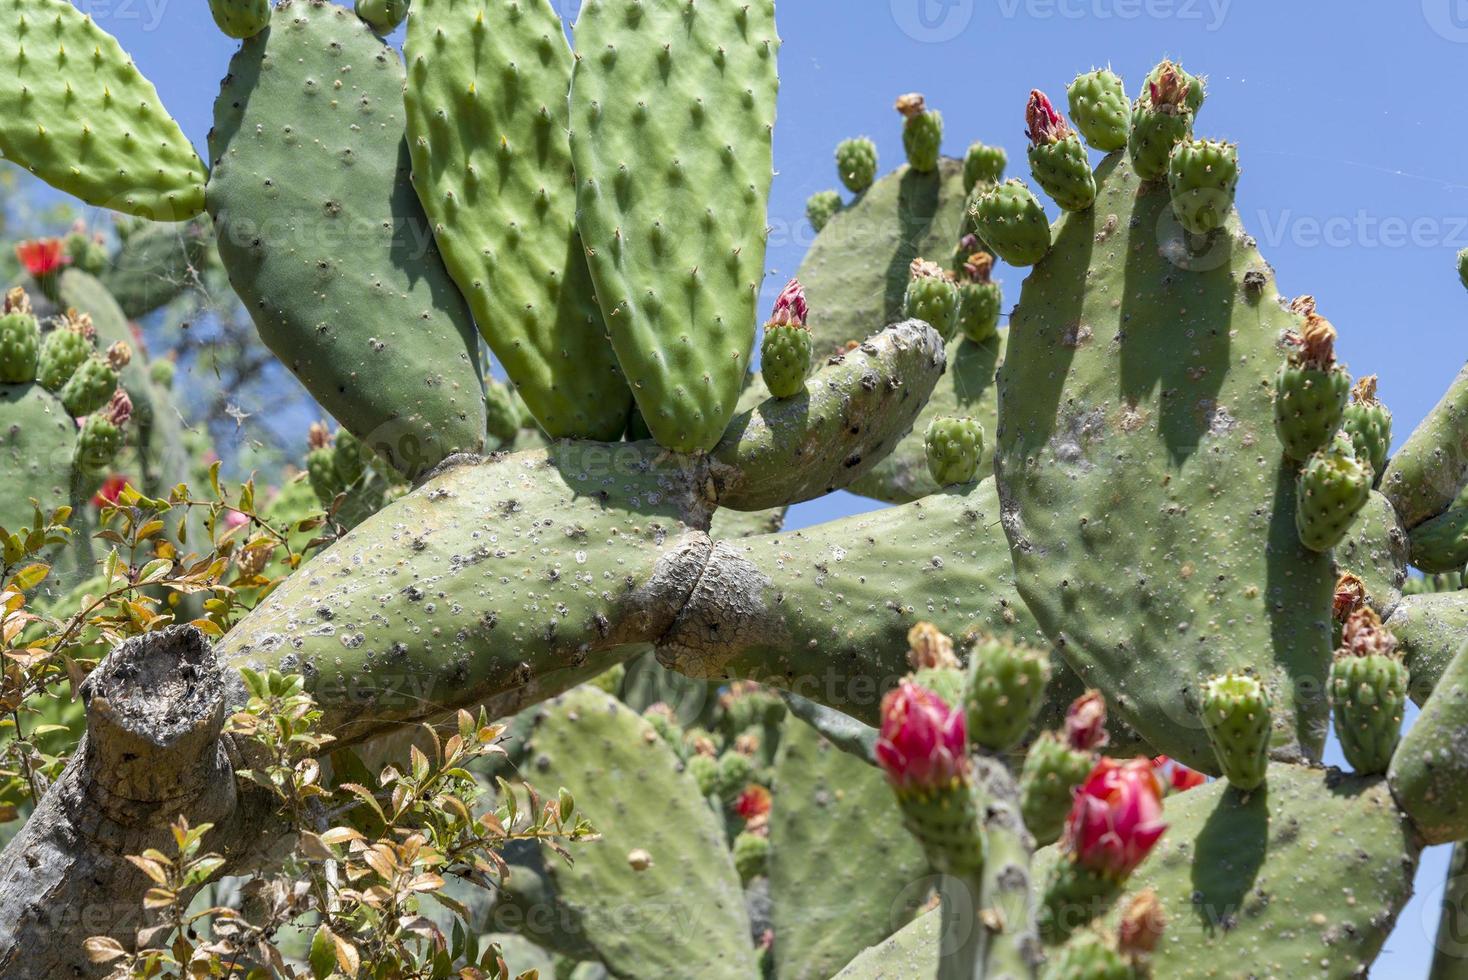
[1351,165]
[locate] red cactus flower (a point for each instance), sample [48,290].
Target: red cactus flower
[753,804]
[791,309]
[1085,722]
[1116,818]
[42,256]
[1046,125]
[923,741]
[1176,775]
[111,489]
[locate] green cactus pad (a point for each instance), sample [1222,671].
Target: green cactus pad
[383,16]
[827,908]
[1333,487]
[909,954]
[784,360]
[20,346]
[933,298]
[504,209]
[1368,695]
[1011,221]
[1063,171]
[1235,713]
[501,412]
[1005,688]
[688,886]
[155,264]
[1145,531]
[37,442]
[856,272]
[570,537]
[1425,475]
[856,163]
[1048,780]
[967,389]
[953,447]
[668,102]
[983,164]
[1202,176]
[240,19]
[1099,109]
[1429,772]
[1153,134]
[922,139]
[1375,550]
[1304,877]
[821,208]
[309,153]
[1430,629]
[853,410]
[79,115]
[1440,544]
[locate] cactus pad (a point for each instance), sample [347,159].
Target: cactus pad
[96,128]
[503,208]
[668,100]
[1146,533]
[308,147]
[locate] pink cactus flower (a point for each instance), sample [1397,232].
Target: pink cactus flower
[1046,125]
[42,256]
[1116,818]
[1085,722]
[923,741]
[790,306]
[1176,775]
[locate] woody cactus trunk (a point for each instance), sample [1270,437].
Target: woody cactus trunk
[1152,474]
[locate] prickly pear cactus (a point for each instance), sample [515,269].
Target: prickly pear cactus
[1136,403]
[668,100]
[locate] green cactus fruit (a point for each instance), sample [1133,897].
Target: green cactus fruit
[1463,267]
[1088,956]
[856,163]
[1311,389]
[1369,424]
[954,447]
[979,299]
[501,413]
[821,208]
[241,19]
[348,458]
[321,472]
[1368,692]
[983,164]
[922,133]
[751,856]
[1012,223]
[89,387]
[932,296]
[95,126]
[610,681]
[1195,84]
[1161,119]
[383,16]
[1057,159]
[1005,688]
[945,821]
[1052,771]
[1099,109]
[63,350]
[161,372]
[705,772]
[736,771]
[86,252]
[100,439]
[1236,714]
[1333,487]
[1202,176]
[672,104]
[20,345]
[785,359]
[663,721]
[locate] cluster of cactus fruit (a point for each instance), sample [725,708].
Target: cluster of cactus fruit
[1158,471]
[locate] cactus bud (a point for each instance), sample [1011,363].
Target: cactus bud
[1330,491]
[1085,723]
[17,301]
[983,165]
[1311,389]
[1368,692]
[1089,955]
[922,133]
[1006,685]
[929,648]
[20,343]
[785,352]
[791,309]
[1236,715]
[1057,159]
[821,208]
[1012,223]
[1099,106]
[932,296]
[1142,924]
[120,409]
[856,164]
[954,447]
[318,436]
[119,355]
[1168,87]
[1057,764]
[1369,424]
[1044,125]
